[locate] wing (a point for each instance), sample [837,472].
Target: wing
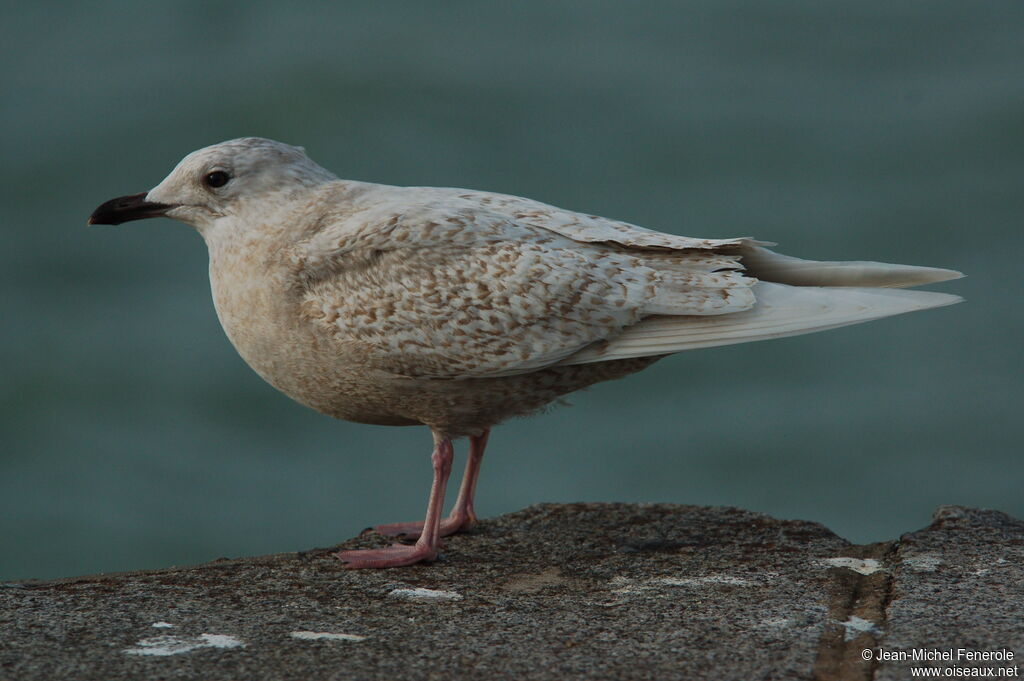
[451,283]
[441,285]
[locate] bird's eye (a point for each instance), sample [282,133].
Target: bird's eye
[215,179]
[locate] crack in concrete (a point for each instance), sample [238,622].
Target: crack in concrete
[857,616]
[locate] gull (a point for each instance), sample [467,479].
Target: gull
[458,309]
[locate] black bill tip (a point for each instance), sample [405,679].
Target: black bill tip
[126,209]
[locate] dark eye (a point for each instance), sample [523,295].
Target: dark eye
[217,178]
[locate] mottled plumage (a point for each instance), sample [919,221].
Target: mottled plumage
[458,309]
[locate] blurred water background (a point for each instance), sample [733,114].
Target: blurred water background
[133,436]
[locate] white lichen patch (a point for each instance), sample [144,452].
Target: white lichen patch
[625,588]
[925,562]
[162,625]
[856,626]
[174,645]
[425,595]
[706,580]
[777,622]
[325,636]
[864,566]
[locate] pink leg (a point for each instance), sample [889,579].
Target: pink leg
[426,547]
[463,516]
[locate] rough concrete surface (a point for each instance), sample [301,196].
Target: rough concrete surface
[596,591]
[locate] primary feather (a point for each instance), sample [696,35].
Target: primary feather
[780,311]
[785,269]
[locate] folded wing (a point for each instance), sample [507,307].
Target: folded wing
[448,283]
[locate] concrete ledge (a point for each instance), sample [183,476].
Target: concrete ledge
[551,592]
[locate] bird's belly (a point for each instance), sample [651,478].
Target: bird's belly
[334,379]
[300,369]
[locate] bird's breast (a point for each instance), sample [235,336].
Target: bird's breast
[259,310]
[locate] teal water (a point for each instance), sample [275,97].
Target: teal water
[132,435]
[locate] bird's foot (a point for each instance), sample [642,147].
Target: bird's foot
[450,525]
[395,555]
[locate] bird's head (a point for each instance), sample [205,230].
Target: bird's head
[223,180]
